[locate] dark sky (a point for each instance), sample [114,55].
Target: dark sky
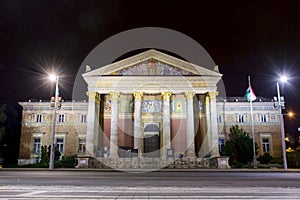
[257,38]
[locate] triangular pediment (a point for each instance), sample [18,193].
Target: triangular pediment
[153,63]
[152,67]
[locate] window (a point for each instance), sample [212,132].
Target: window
[221,144]
[263,118]
[266,145]
[241,119]
[219,118]
[36,145]
[83,118]
[82,145]
[60,144]
[39,118]
[61,118]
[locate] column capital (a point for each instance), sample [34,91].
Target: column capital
[94,96]
[189,95]
[138,96]
[206,99]
[114,95]
[212,95]
[166,95]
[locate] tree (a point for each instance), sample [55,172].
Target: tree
[44,154]
[9,133]
[239,147]
[3,118]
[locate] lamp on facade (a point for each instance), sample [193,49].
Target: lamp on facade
[282,79]
[53,77]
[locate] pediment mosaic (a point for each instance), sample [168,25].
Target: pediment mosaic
[152,67]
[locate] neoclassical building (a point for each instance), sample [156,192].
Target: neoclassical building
[148,110]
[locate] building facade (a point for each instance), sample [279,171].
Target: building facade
[149,106]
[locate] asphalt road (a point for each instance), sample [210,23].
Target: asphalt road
[157,185]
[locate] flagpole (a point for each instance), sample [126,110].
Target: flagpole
[252,126]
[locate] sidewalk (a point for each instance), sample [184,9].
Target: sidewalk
[261,170]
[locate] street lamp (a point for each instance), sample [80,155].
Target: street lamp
[53,77]
[291,114]
[282,79]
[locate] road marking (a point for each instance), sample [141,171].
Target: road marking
[145,192]
[31,194]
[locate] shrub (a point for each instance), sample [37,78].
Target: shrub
[66,162]
[265,159]
[237,165]
[293,159]
[239,147]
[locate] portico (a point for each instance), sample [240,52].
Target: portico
[153,104]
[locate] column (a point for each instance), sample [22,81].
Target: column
[166,140]
[138,127]
[213,124]
[92,123]
[207,141]
[190,136]
[113,149]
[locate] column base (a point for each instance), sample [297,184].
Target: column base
[190,154]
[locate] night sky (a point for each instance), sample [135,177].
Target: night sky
[256,38]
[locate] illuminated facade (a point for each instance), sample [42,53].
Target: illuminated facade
[151,107]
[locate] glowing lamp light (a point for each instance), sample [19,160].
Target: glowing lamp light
[283,79]
[53,77]
[291,114]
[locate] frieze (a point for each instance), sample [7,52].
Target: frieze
[107,105]
[151,106]
[246,108]
[178,106]
[126,106]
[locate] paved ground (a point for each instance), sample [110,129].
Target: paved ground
[15,184]
[142,192]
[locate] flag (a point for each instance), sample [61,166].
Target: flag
[250,96]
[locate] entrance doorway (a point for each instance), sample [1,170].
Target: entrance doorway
[151,140]
[151,146]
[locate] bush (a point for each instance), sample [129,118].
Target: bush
[66,162]
[277,161]
[265,159]
[239,147]
[293,159]
[238,165]
[269,166]
[35,165]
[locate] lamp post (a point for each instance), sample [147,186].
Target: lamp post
[51,161]
[282,79]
